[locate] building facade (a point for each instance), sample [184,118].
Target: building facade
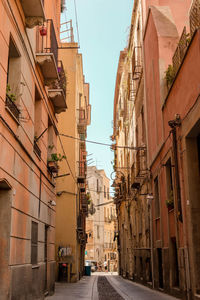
[101,221]
[28,127]
[130,163]
[157,153]
[72,206]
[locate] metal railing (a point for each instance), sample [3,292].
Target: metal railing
[12,107]
[82,116]
[137,62]
[62,76]
[79,223]
[81,168]
[47,42]
[180,51]
[194,16]
[66,32]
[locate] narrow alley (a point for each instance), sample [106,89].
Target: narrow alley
[99,149]
[106,286]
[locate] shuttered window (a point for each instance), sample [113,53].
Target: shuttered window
[34,243]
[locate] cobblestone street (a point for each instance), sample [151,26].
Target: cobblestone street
[105,286]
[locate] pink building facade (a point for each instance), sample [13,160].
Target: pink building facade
[171,37]
[31,95]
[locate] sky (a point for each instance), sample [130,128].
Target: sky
[103,27]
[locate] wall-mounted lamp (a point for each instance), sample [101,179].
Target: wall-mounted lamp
[149,198]
[52,203]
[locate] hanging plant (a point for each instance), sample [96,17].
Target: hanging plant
[9,94]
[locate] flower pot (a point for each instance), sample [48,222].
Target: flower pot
[52,166]
[43,31]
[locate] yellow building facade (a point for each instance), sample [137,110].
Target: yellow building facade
[71,207]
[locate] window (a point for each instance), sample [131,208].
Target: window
[143,127]
[14,69]
[98,236]
[108,195]
[157,198]
[37,114]
[37,121]
[97,185]
[13,88]
[34,243]
[170,193]
[104,188]
[51,138]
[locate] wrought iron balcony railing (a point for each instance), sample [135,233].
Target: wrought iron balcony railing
[47,51]
[82,168]
[62,77]
[12,107]
[194,16]
[82,121]
[46,39]
[79,223]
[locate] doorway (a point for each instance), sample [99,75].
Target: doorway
[5,225]
[193,186]
[160,268]
[46,255]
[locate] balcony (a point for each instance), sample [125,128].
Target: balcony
[79,223]
[33,12]
[82,122]
[62,77]
[13,109]
[52,167]
[57,98]
[47,52]
[81,172]
[194,16]
[57,91]
[137,63]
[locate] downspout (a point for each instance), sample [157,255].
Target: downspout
[177,178]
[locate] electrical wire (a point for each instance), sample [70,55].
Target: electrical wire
[102,144]
[67,159]
[76,22]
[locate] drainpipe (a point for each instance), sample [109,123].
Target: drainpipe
[173,124]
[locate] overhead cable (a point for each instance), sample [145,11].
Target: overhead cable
[102,144]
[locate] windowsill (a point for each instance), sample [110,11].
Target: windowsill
[35,266]
[12,115]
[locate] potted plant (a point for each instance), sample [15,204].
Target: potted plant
[170,201]
[170,75]
[57,157]
[9,94]
[43,30]
[53,162]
